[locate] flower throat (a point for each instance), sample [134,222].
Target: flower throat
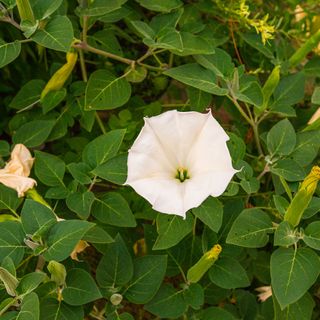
[182,174]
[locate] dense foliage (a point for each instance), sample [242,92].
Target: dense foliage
[77,78]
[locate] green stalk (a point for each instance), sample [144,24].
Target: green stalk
[25,10]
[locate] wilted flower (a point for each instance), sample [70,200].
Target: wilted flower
[265,293]
[81,246]
[15,174]
[178,160]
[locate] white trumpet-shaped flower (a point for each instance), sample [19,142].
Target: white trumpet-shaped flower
[178,160]
[16,173]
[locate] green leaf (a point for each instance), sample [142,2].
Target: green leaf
[28,95]
[210,213]
[49,169]
[36,218]
[52,99]
[136,75]
[57,34]
[289,91]
[114,170]
[160,5]
[281,139]
[103,148]
[148,274]
[313,208]
[228,273]
[52,309]
[285,235]
[80,203]
[254,41]
[63,237]
[9,281]
[97,235]
[288,169]
[30,282]
[11,241]
[250,229]
[115,267]
[4,148]
[220,62]
[293,272]
[105,91]
[300,310]
[251,93]
[30,308]
[199,100]
[196,76]
[33,133]
[167,303]
[80,288]
[113,209]
[80,172]
[43,9]
[8,199]
[312,235]
[9,52]
[101,7]
[216,313]
[171,230]
[194,295]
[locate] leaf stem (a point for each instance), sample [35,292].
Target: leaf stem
[100,123]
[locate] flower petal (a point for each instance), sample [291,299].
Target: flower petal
[19,183]
[165,194]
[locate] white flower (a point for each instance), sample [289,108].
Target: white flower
[15,174]
[178,160]
[265,293]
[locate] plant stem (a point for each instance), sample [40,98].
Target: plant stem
[235,102]
[257,138]
[100,123]
[84,46]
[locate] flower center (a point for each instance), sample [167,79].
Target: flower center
[182,174]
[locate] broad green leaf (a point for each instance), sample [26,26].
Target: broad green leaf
[80,172]
[9,281]
[228,273]
[196,76]
[36,218]
[49,169]
[147,278]
[9,52]
[30,282]
[11,315]
[30,308]
[101,7]
[97,235]
[293,272]
[166,20]
[80,288]
[289,91]
[281,139]
[103,148]
[160,5]
[115,267]
[312,235]
[315,98]
[52,309]
[199,100]
[63,237]
[52,99]
[113,209]
[11,241]
[307,147]
[216,313]
[28,95]
[251,93]
[114,170]
[105,91]
[143,29]
[8,199]
[285,235]
[288,169]
[210,213]
[219,62]
[171,230]
[300,310]
[4,148]
[312,67]
[313,208]
[167,303]
[116,15]
[57,34]
[194,295]
[80,203]
[254,41]
[250,229]
[237,147]
[43,9]
[33,133]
